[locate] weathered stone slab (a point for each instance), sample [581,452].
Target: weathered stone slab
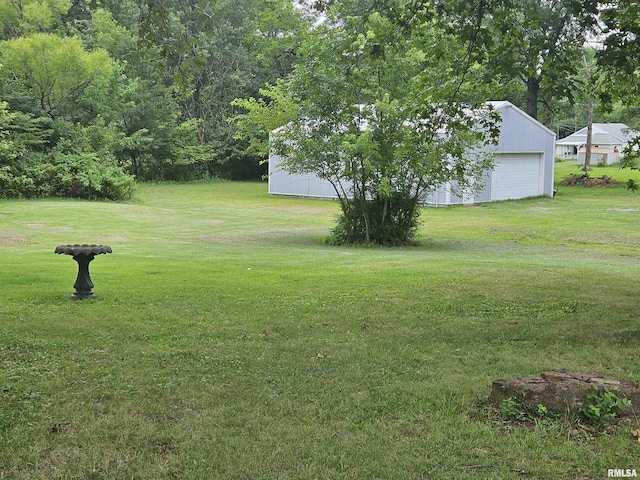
[561,390]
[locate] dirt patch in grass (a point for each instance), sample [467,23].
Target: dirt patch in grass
[303,209]
[8,239]
[52,228]
[213,239]
[264,236]
[113,239]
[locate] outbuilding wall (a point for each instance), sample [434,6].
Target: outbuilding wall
[524,159]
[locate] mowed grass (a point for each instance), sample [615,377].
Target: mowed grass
[565,168]
[228,340]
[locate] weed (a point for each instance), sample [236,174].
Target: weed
[632,185]
[515,408]
[542,411]
[603,405]
[510,409]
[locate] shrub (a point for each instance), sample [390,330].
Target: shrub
[15,185]
[391,221]
[73,175]
[84,176]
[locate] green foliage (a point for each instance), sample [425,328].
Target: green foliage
[603,404]
[510,409]
[631,154]
[39,157]
[517,409]
[381,112]
[106,33]
[175,61]
[8,149]
[628,161]
[85,176]
[632,185]
[393,220]
[171,152]
[55,70]
[539,46]
[14,185]
[73,175]
[621,55]
[542,411]
[214,52]
[28,132]
[261,116]
[29,16]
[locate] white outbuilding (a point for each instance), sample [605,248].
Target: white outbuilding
[607,142]
[523,166]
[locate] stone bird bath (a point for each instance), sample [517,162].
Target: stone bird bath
[83,254]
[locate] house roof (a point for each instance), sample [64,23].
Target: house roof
[602,134]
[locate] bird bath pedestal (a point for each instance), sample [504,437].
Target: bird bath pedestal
[83,254]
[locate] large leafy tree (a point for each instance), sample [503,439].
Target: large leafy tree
[382,106]
[56,89]
[621,54]
[539,44]
[620,60]
[55,70]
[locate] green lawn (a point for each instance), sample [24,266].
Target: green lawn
[568,167]
[227,340]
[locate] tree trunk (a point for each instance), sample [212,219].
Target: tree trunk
[533,89]
[587,148]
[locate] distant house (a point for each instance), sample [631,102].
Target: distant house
[523,167]
[607,141]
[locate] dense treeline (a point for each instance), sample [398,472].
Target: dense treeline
[97,93]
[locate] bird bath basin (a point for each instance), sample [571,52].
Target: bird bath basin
[83,254]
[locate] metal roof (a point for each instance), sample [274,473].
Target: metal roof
[602,134]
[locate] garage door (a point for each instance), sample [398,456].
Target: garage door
[517,175]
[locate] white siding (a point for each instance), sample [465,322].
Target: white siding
[521,133]
[524,166]
[517,175]
[307,185]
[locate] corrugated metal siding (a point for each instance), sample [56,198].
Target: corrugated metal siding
[485,194]
[307,185]
[519,133]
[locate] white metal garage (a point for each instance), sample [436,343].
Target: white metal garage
[523,166]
